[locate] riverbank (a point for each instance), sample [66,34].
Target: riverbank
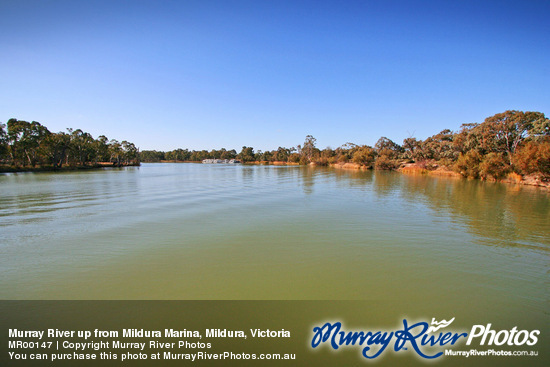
[274,163]
[434,170]
[406,168]
[511,178]
[265,163]
[442,171]
[98,165]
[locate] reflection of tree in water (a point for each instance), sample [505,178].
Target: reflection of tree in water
[387,183]
[308,178]
[265,179]
[247,175]
[499,214]
[353,178]
[286,174]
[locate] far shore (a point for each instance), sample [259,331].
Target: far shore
[265,163]
[408,169]
[441,171]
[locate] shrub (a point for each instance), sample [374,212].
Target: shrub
[383,162]
[494,166]
[468,164]
[533,157]
[364,156]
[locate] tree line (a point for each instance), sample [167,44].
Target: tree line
[30,144]
[511,141]
[508,142]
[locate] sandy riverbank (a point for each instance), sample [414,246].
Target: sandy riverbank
[441,171]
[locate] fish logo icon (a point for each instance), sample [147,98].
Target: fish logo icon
[439,325]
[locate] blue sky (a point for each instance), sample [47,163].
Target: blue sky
[211,74]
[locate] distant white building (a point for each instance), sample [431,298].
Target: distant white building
[225,161]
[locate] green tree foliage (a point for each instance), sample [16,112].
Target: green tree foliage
[468,138]
[412,149]
[101,149]
[228,154]
[266,156]
[494,166]
[388,153]
[326,156]
[540,127]
[512,141]
[504,132]
[115,151]
[56,147]
[130,152]
[439,146]
[294,156]
[178,155]
[343,153]
[281,154]
[29,144]
[151,156]
[3,141]
[308,152]
[81,147]
[364,155]
[387,147]
[468,164]
[246,154]
[24,139]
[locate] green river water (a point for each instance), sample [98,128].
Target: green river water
[194,231]
[366,248]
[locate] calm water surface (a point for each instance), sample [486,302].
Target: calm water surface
[193,231]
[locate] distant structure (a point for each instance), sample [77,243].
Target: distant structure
[226,161]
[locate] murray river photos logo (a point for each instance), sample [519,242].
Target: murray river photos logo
[429,341]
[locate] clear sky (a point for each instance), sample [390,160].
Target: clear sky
[210,74]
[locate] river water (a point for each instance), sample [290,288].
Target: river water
[194,231]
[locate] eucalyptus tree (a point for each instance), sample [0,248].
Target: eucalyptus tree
[281,154]
[227,154]
[412,149]
[246,154]
[3,142]
[152,155]
[82,146]
[388,147]
[364,155]
[309,151]
[505,131]
[24,139]
[56,147]
[130,152]
[115,151]
[101,149]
